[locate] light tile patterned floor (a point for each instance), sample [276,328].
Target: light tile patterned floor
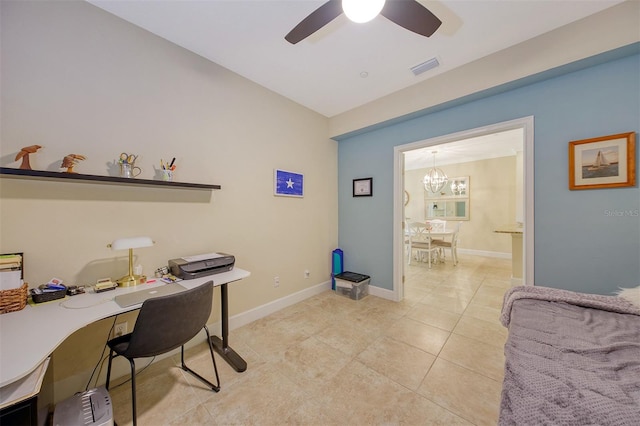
[434,358]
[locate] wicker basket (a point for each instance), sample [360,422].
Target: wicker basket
[14,299]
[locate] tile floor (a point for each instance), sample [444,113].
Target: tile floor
[434,358]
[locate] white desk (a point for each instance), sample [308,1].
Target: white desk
[29,336]
[24,388]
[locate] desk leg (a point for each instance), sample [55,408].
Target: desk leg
[222,345]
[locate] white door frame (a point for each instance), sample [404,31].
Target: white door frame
[525,123]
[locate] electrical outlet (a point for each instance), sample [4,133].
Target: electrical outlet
[307,274]
[276,281]
[120,329]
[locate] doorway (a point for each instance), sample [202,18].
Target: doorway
[526,125]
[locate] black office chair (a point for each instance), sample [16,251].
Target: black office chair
[163,324]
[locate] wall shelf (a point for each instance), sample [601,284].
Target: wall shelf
[7,172]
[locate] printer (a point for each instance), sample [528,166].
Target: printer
[201,265]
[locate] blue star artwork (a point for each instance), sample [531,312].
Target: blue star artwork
[288,184]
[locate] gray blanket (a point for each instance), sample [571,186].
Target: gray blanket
[571,359]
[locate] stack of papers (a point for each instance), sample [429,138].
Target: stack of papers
[10,271]
[10,261]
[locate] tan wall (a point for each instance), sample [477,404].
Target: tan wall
[76,79]
[492,201]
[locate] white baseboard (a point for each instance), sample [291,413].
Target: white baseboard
[262,311]
[485,253]
[251,315]
[244,318]
[381,292]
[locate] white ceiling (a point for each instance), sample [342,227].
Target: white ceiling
[323,72]
[502,144]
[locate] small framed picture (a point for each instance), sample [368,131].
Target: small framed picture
[288,184]
[363,187]
[603,162]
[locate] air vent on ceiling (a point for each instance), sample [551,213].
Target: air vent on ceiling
[425,66]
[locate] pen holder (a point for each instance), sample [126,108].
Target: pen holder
[167,175]
[129,170]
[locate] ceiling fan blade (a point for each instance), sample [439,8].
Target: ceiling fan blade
[411,15]
[316,20]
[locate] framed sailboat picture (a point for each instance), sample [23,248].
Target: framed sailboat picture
[603,162]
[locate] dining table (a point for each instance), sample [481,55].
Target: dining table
[439,235]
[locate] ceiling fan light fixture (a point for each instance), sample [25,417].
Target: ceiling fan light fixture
[361,11]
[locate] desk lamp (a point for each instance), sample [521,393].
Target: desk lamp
[131,243]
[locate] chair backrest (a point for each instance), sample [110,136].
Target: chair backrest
[168,322]
[418,232]
[437,225]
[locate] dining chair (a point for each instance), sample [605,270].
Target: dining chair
[452,245]
[437,225]
[410,230]
[420,240]
[164,324]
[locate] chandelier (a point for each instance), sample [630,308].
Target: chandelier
[435,179]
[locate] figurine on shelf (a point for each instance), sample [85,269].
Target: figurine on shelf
[71,160]
[24,154]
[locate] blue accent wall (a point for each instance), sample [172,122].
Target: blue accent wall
[586,240]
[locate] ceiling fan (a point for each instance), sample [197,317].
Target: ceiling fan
[408,14]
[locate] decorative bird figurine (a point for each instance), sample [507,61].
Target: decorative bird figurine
[71,160]
[24,154]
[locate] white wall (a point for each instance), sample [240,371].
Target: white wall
[76,79]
